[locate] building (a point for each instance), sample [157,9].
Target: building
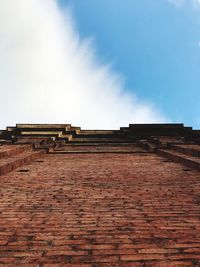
[90,198]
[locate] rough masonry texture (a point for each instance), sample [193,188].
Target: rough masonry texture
[92,198]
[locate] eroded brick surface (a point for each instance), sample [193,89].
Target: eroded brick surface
[100,210]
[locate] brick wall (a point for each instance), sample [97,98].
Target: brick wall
[100,209]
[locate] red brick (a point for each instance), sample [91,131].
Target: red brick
[66,252]
[173,264]
[95,259]
[157,251]
[142,257]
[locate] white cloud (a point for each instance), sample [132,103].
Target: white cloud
[47,74]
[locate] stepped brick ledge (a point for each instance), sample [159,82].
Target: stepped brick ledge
[95,198]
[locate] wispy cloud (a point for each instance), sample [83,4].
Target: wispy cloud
[48,74]
[180,3]
[196,3]
[177,3]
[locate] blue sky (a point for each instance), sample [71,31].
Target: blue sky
[99,63]
[154,44]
